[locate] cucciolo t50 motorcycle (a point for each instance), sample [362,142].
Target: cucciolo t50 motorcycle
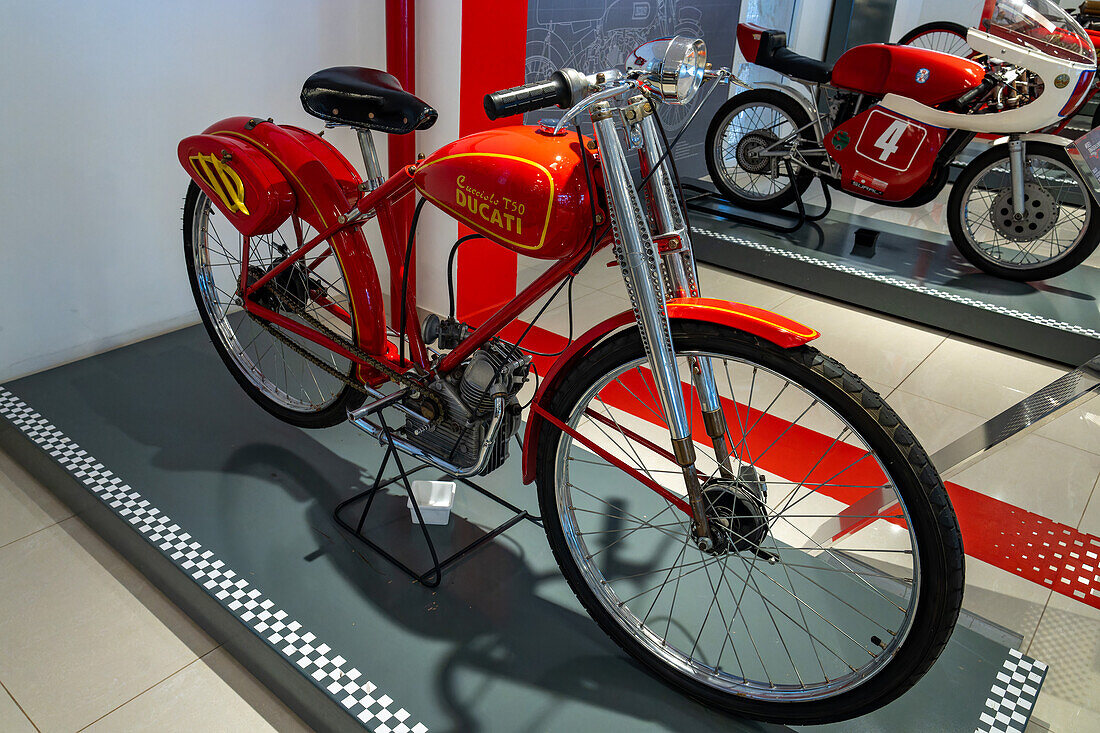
[896,117]
[736,510]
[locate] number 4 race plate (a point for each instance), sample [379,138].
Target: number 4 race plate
[890,141]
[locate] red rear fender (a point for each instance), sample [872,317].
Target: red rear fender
[322,182]
[773,327]
[748,40]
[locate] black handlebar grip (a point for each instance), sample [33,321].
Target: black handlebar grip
[986,85]
[528,98]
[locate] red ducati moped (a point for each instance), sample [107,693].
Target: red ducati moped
[737,511]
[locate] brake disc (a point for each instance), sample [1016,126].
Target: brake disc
[1040,214]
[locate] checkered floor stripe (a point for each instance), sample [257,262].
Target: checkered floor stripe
[330,671]
[1013,695]
[902,283]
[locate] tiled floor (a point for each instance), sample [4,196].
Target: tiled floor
[943,386]
[86,643]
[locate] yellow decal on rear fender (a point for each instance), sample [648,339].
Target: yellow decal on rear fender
[222,179]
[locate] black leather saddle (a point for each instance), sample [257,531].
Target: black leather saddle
[352,95]
[774,54]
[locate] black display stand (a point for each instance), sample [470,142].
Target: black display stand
[704,199]
[433,576]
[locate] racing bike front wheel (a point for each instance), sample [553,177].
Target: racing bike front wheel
[1057,231]
[838,576]
[282,375]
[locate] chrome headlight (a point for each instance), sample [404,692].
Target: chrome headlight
[681,72]
[672,68]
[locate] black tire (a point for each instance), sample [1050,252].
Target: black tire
[1043,266]
[722,168]
[938,539]
[938,36]
[1096,117]
[333,407]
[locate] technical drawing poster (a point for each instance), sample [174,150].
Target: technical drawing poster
[595,35]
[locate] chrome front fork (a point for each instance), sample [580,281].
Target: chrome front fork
[640,265]
[1017,162]
[683,276]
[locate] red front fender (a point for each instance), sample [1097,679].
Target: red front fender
[780,330]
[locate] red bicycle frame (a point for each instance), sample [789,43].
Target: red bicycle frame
[382,202]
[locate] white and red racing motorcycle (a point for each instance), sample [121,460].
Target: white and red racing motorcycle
[895,118]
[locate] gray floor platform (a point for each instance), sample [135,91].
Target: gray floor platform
[229,511]
[909,273]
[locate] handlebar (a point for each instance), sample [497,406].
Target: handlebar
[571,90]
[563,89]
[984,87]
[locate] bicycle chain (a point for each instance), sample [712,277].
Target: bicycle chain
[392,374]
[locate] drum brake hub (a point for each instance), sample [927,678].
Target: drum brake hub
[737,512]
[750,149]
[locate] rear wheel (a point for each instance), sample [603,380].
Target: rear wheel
[1058,230]
[939,36]
[280,379]
[840,576]
[740,148]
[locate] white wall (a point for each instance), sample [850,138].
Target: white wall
[811,24]
[95,98]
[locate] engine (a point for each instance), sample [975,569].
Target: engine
[497,368]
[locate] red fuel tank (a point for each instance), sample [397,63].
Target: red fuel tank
[522,187]
[930,77]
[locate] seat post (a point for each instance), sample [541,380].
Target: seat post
[370,159]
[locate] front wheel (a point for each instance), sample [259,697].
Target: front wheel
[1059,227]
[841,574]
[745,146]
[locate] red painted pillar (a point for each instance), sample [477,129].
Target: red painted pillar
[401,62]
[494,52]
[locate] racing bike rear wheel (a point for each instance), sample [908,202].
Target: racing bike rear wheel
[839,574]
[940,36]
[745,149]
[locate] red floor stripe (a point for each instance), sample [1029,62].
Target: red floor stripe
[1048,553]
[1029,545]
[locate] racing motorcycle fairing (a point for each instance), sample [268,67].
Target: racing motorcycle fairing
[1037,36]
[883,155]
